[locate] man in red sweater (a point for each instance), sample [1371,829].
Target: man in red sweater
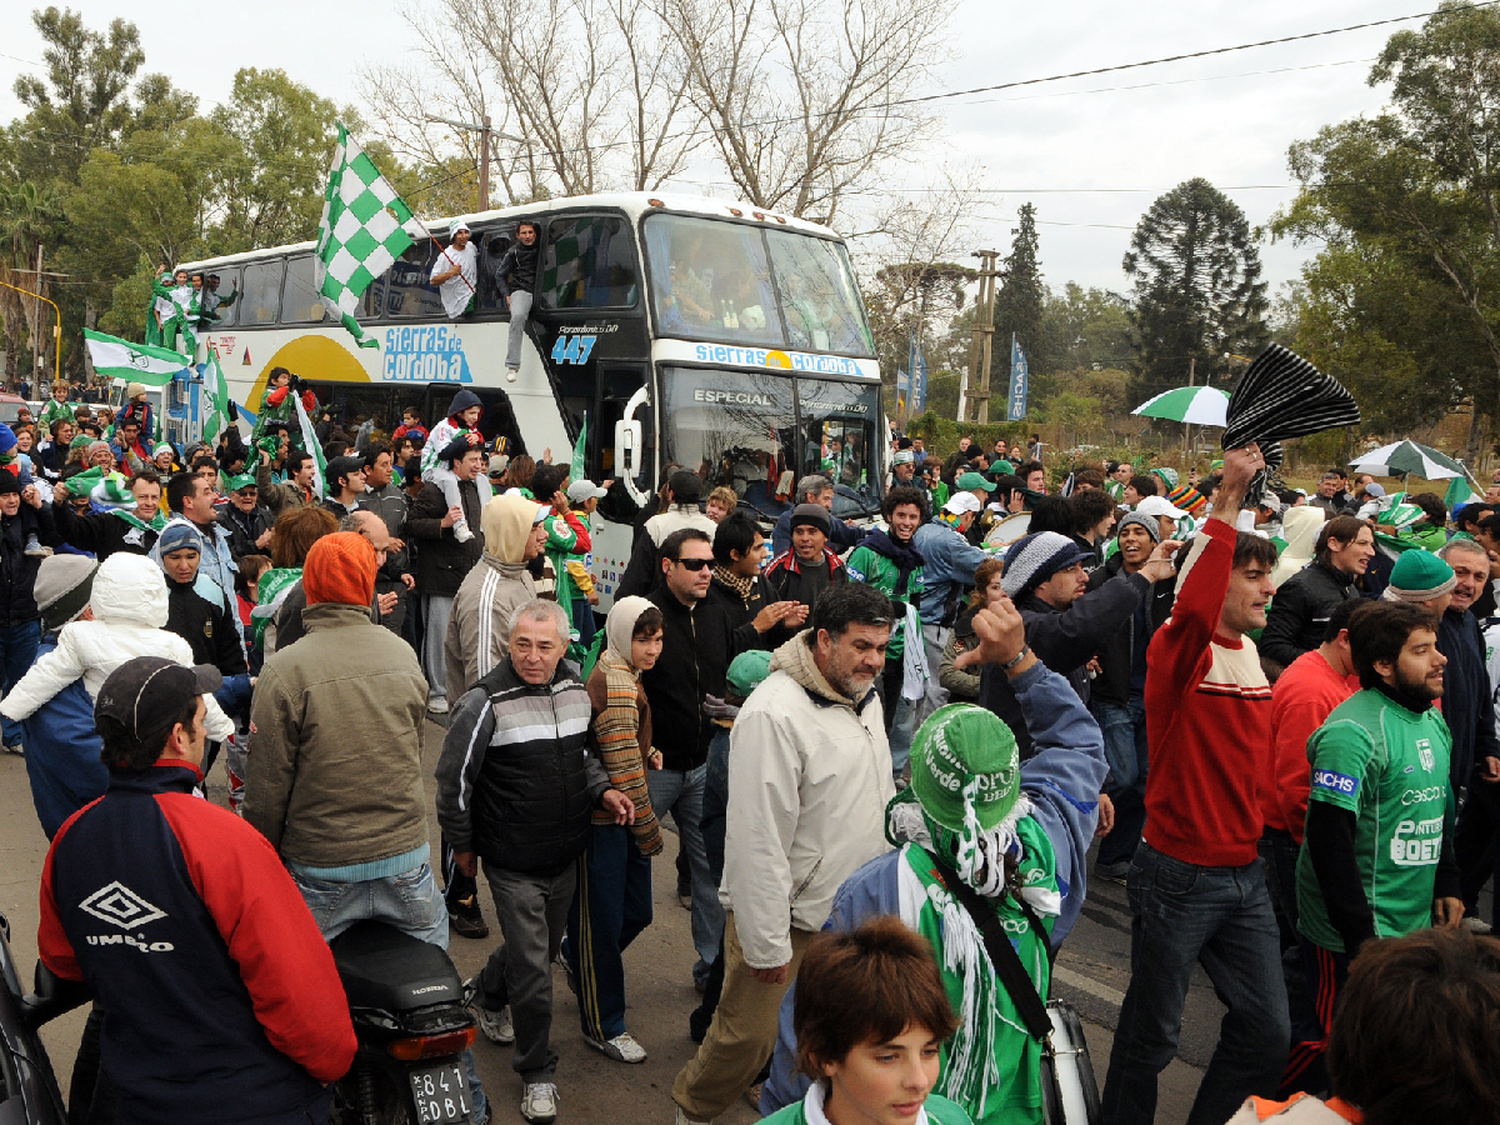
[1197,886]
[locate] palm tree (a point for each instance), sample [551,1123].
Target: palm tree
[27,214]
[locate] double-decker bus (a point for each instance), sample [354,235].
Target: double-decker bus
[725,339]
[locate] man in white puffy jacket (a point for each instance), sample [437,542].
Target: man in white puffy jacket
[809,778]
[129,603]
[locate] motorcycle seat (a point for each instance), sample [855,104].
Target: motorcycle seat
[384,968]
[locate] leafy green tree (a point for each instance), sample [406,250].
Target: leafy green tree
[1198,292]
[1019,303]
[1408,204]
[28,212]
[274,186]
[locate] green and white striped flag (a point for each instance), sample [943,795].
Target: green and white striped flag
[580,451]
[312,445]
[215,398]
[139,363]
[365,227]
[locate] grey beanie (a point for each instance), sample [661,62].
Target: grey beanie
[64,584]
[1152,524]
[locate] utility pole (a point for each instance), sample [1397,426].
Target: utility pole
[1188,426]
[976,387]
[36,324]
[485,133]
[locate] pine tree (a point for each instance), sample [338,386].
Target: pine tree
[1198,291]
[1018,306]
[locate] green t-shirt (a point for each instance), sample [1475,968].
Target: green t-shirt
[865,565]
[1388,766]
[940,1111]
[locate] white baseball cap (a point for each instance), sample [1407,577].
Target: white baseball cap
[1159,506]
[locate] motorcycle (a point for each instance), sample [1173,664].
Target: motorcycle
[407,1004]
[28,1088]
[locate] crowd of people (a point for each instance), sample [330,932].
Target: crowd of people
[894,758]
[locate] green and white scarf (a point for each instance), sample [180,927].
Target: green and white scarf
[992,1065]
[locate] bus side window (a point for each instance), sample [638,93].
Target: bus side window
[300,303]
[262,292]
[496,243]
[588,263]
[407,293]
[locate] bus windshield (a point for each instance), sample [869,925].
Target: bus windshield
[754,286]
[746,430]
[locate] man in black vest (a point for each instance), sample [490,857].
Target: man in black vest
[517,740]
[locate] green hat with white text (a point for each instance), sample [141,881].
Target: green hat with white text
[964,758]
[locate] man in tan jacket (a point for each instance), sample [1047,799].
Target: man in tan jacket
[806,809]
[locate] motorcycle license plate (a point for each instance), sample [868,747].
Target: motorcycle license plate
[441,1094]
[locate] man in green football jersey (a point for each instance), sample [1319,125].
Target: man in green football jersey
[1377,855]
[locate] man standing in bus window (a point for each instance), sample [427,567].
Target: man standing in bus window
[516,275]
[456,271]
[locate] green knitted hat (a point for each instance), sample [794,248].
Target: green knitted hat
[964,763]
[1419,575]
[747,670]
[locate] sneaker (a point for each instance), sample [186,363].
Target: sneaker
[539,1103]
[1114,872]
[496,1025]
[34,548]
[468,920]
[683,1119]
[511,373]
[438,704]
[1472,922]
[622,1048]
[462,532]
[17,749]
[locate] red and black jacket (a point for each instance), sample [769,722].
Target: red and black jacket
[221,1001]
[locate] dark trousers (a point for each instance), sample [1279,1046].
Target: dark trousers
[1184,914]
[1306,1071]
[18,645]
[1476,843]
[1124,730]
[611,908]
[890,690]
[459,888]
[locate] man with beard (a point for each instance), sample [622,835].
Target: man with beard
[1377,858]
[819,741]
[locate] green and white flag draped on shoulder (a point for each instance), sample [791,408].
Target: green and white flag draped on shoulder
[365,227]
[139,363]
[215,398]
[312,445]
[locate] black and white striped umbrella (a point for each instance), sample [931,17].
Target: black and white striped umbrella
[1282,396]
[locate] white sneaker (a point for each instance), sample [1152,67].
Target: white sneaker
[462,532]
[438,704]
[539,1103]
[511,373]
[496,1025]
[622,1048]
[1477,924]
[683,1119]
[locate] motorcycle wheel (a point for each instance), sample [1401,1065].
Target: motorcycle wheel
[389,1101]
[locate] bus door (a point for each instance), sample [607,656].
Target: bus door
[502,434]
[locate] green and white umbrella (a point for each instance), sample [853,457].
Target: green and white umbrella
[1199,406]
[1407,458]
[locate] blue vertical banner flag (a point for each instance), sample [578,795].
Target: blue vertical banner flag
[918,396]
[1016,400]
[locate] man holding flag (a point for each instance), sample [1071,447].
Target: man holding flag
[456,271]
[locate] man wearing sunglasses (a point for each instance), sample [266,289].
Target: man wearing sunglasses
[695,655]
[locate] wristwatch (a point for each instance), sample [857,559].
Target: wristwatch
[1016,659]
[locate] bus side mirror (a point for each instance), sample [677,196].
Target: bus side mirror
[629,437]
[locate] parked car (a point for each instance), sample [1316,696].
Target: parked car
[10,407]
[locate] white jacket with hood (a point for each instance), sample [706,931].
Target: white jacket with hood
[809,778]
[129,603]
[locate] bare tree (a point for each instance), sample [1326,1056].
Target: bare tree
[805,98]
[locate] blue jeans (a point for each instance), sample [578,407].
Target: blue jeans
[1124,730]
[410,902]
[611,908]
[680,792]
[1221,918]
[18,645]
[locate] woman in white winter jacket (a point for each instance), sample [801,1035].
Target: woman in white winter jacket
[129,608]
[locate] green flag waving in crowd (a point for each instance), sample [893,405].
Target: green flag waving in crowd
[141,363]
[365,227]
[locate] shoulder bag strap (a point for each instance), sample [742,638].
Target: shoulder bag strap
[1003,955]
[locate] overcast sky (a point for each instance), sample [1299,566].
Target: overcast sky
[1091,153]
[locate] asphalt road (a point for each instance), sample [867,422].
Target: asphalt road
[1092,973]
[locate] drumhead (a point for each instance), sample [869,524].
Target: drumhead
[1008,530]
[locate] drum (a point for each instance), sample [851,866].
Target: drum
[1008,530]
[1070,1093]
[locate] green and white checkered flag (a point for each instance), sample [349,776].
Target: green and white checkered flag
[365,227]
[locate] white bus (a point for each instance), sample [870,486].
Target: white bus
[714,336]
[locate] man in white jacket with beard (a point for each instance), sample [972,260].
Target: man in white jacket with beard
[129,603]
[809,778]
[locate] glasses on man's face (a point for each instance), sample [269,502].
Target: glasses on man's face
[695,565]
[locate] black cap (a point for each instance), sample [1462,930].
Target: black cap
[145,694]
[345,466]
[814,515]
[685,486]
[456,449]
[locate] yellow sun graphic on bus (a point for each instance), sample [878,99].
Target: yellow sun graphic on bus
[778,359]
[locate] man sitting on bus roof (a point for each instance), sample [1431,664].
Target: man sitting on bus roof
[456,271]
